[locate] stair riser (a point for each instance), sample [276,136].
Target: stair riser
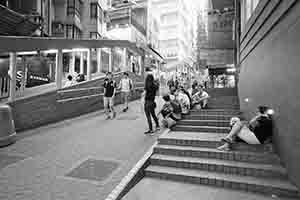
[204,123]
[267,190]
[219,168]
[212,112]
[79,93]
[208,117]
[214,144]
[261,159]
[200,129]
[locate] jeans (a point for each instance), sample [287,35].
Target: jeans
[150,111]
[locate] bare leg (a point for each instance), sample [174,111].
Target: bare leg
[237,127]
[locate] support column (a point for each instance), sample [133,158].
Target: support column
[99,68]
[124,62]
[81,63]
[13,75]
[89,62]
[110,63]
[59,69]
[72,66]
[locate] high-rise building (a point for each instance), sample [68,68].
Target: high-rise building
[176,28]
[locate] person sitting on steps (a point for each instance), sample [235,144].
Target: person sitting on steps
[200,98]
[256,131]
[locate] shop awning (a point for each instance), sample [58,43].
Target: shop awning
[13,23]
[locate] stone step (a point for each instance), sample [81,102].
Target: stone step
[218,165]
[208,140]
[191,122]
[209,129]
[196,116]
[216,112]
[203,152]
[269,186]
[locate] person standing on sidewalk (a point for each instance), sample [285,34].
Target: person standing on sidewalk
[126,87]
[109,94]
[150,105]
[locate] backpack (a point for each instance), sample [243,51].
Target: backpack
[176,106]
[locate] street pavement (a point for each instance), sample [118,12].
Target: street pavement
[35,167]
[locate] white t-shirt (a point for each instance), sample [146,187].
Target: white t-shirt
[125,84]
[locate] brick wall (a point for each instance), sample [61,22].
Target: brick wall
[55,106]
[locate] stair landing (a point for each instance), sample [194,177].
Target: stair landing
[156,189]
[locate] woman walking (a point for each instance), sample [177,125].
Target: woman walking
[150,105]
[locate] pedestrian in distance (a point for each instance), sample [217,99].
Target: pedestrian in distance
[150,105]
[69,81]
[109,86]
[126,87]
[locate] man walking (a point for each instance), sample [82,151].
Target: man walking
[126,87]
[109,94]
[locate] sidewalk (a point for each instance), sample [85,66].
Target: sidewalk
[35,168]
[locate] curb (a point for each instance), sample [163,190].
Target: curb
[118,190]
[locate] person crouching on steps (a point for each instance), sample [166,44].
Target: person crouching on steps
[126,87]
[109,94]
[257,131]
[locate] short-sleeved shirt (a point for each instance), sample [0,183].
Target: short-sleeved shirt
[110,86]
[126,84]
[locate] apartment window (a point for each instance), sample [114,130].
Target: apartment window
[73,7]
[94,9]
[72,31]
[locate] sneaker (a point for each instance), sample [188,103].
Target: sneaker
[107,117]
[151,134]
[224,147]
[227,140]
[157,128]
[148,132]
[125,109]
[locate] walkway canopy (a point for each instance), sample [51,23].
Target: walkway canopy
[20,44]
[13,23]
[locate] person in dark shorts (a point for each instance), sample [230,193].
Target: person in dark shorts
[256,131]
[150,105]
[109,86]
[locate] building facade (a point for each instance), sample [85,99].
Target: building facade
[268,58]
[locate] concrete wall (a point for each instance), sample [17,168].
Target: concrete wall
[270,74]
[70,102]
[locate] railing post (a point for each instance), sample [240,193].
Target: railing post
[89,62]
[13,75]
[59,69]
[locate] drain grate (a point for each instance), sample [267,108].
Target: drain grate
[6,160]
[94,170]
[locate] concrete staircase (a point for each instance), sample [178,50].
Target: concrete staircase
[188,154]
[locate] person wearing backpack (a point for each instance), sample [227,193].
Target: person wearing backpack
[126,87]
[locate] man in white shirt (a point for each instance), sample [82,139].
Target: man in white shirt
[126,87]
[69,81]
